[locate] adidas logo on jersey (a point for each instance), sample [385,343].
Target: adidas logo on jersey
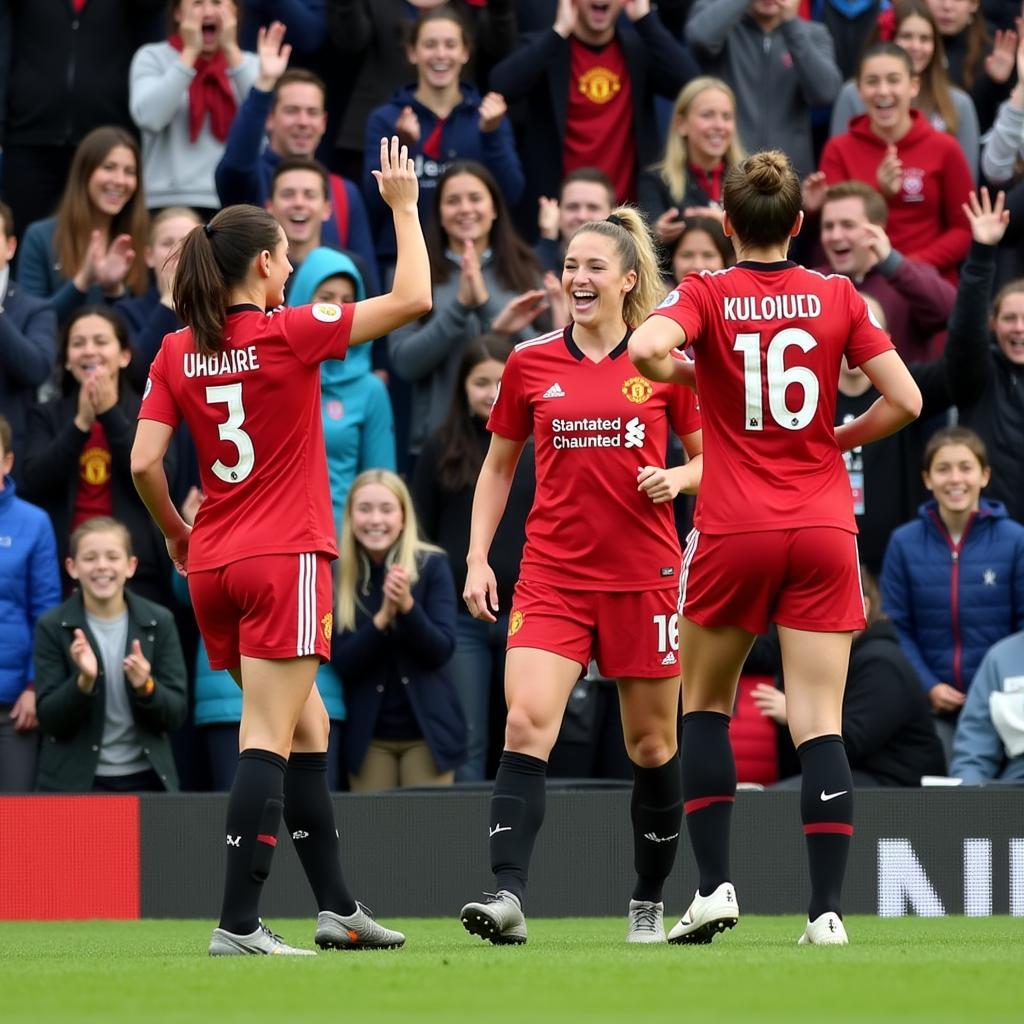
[555,391]
[669,659]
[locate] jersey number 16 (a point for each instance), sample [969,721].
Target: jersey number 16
[778,379]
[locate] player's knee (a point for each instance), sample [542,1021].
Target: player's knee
[523,729]
[651,749]
[314,729]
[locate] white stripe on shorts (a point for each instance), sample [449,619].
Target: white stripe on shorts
[306,630]
[691,550]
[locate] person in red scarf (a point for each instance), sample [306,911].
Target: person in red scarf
[183,95]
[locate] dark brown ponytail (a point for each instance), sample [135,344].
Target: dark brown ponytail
[214,259]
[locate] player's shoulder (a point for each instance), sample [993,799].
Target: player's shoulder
[540,347]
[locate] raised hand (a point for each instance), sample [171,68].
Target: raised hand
[565,20]
[273,55]
[636,9]
[890,173]
[669,226]
[812,191]
[472,291]
[999,64]
[396,179]
[988,222]
[877,241]
[190,28]
[493,109]
[556,299]
[85,413]
[548,218]
[407,127]
[397,589]
[102,390]
[84,658]
[111,265]
[136,667]
[770,702]
[520,311]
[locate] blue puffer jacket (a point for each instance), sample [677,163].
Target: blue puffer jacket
[951,602]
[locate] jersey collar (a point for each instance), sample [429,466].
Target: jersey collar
[243,307]
[577,353]
[775,265]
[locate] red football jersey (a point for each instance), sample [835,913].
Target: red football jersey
[593,425]
[254,413]
[768,339]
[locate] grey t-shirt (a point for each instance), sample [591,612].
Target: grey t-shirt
[120,752]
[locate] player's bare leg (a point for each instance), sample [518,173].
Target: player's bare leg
[815,666]
[711,660]
[537,688]
[650,713]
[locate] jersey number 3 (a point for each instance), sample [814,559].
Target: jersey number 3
[231,431]
[779,379]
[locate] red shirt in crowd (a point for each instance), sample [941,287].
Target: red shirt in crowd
[599,126]
[925,219]
[93,497]
[254,412]
[594,425]
[767,340]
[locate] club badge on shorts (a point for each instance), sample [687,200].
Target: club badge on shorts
[515,622]
[327,625]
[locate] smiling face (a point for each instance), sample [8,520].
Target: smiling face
[161,256]
[696,251]
[593,280]
[953,16]
[467,211]
[708,125]
[582,201]
[114,181]
[887,90]
[299,204]
[915,35]
[377,520]
[101,565]
[595,19]
[94,350]
[298,121]
[482,387]
[1008,326]
[956,478]
[844,236]
[439,53]
[211,20]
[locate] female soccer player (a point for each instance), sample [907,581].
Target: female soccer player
[247,382]
[774,528]
[598,572]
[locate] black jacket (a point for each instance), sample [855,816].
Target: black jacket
[50,472]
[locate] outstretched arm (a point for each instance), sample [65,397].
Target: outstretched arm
[650,350]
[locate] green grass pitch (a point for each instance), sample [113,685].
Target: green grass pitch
[573,969]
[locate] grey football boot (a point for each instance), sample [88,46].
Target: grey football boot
[356,931]
[497,918]
[260,942]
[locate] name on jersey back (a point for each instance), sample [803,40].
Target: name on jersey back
[239,360]
[771,307]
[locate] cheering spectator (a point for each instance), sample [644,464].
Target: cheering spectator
[442,488]
[29,585]
[911,25]
[286,109]
[86,254]
[394,639]
[701,245]
[589,86]
[916,299]
[183,95]
[78,446]
[1005,143]
[28,338]
[989,740]
[110,676]
[778,64]
[586,194]
[496,289]
[702,145]
[65,65]
[921,172]
[440,119]
[887,727]
[953,580]
[375,32]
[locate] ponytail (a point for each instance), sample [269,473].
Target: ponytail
[214,259]
[627,227]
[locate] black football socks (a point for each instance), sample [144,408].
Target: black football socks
[254,816]
[517,812]
[709,791]
[826,806]
[656,809]
[309,817]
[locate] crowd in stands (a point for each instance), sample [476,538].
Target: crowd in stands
[124,124]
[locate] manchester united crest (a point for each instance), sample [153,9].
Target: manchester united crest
[515,622]
[327,625]
[638,389]
[600,85]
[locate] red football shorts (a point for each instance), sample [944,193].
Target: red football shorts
[805,578]
[268,606]
[629,635]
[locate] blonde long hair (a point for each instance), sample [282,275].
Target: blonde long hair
[673,166]
[407,551]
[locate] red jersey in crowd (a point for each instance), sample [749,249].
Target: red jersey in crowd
[593,425]
[254,413]
[768,339]
[926,221]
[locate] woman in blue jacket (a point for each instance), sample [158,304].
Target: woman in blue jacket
[953,579]
[393,640]
[440,119]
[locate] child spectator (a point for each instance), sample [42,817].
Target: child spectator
[443,488]
[86,254]
[29,585]
[394,639]
[183,94]
[110,677]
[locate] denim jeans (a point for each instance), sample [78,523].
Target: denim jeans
[478,659]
